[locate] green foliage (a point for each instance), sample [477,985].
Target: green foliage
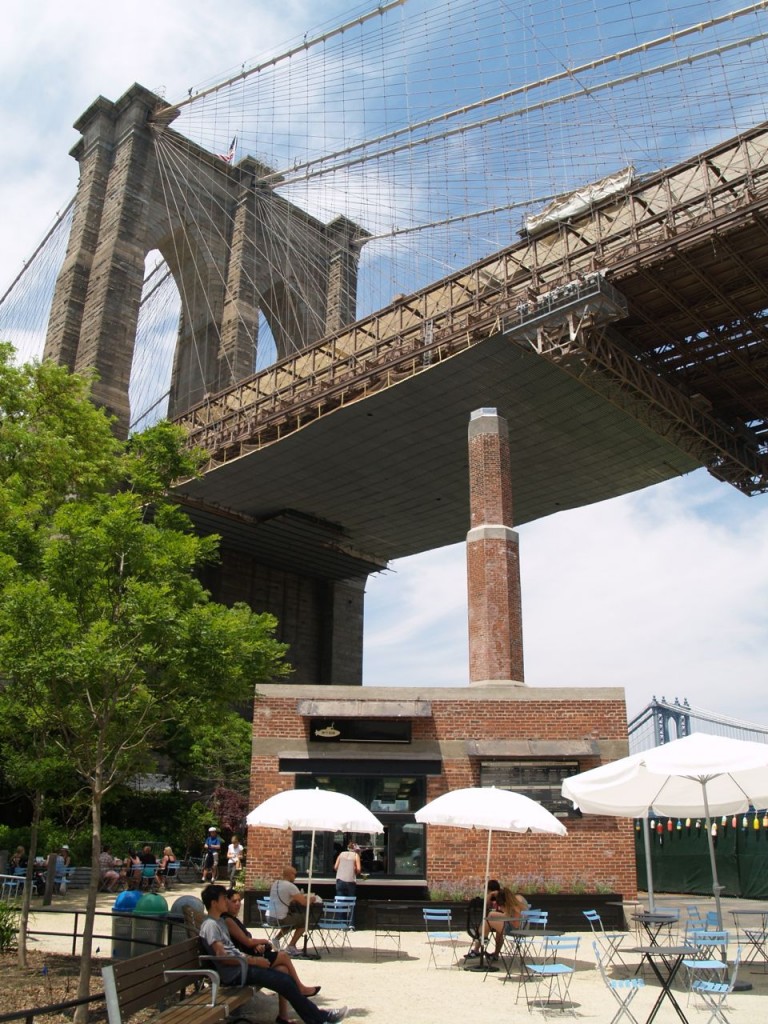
[9,926]
[106,633]
[193,827]
[220,751]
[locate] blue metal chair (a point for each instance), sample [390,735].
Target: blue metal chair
[609,942]
[347,901]
[516,945]
[623,990]
[715,993]
[336,922]
[440,934]
[269,923]
[706,963]
[11,887]
[553,976]
[534,918]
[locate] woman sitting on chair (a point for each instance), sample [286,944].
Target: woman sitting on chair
[502,908]
[168,859]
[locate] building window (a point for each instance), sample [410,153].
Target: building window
[398,852]
[539,780]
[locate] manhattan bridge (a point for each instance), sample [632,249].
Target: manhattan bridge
[320,264]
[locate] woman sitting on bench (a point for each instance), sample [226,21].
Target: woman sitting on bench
[243,939]
[215,934]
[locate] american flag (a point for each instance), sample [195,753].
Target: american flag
[229,156]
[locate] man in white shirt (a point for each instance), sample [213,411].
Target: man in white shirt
[216,936]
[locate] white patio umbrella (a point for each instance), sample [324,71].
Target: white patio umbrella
[314,810]
[497,810]
[698,774]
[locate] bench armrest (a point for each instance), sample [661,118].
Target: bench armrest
[212,976]
[228,960]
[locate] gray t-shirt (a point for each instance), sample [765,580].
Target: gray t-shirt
[213,929]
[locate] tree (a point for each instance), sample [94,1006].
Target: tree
[101,610]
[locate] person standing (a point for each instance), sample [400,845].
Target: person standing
[347,868]
[235,853]
[211,851]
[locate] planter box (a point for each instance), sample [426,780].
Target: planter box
[565,911]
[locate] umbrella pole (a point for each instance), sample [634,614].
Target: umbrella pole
[309,891]
[483,897]
[648,865]
[716,887]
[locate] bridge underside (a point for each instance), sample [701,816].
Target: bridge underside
[387,476]
[625,345]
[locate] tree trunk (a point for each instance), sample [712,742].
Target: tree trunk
[86,956]
[37,805]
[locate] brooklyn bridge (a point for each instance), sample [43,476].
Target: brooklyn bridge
[622,334]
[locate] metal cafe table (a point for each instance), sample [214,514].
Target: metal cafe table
[517,942]
[669,958]
[654,921]
[756,936]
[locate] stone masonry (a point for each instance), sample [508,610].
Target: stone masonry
[212,223]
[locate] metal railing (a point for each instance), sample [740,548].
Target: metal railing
[29,1015]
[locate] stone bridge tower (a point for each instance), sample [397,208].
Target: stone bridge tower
[234,248]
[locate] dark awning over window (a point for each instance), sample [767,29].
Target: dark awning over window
[354,766]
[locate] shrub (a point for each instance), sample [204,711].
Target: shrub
[455,891]
[9,926]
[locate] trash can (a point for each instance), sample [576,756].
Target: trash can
[122,923]
[148,924]
[177,917]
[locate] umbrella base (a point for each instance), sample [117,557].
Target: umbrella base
[486,968]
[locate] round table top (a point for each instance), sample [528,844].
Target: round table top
[663,950]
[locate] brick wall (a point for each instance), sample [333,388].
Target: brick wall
[596,849]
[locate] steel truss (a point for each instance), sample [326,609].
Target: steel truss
[669,214]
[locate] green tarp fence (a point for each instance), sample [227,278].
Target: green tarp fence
[680,857]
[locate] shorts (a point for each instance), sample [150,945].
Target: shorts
[296,918]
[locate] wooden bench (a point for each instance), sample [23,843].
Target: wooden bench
[170,979]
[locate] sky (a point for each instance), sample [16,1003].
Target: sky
[663,592]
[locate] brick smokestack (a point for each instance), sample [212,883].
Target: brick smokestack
[493,562]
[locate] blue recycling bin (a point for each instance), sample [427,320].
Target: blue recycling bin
[122,922]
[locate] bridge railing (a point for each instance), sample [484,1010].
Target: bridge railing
[669,209]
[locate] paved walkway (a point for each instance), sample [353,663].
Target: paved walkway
[384,987]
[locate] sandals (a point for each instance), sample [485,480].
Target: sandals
[313,993]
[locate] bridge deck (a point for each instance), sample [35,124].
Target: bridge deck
[371,423]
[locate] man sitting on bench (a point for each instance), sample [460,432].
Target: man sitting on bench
[216,937]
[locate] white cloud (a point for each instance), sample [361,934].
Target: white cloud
[662,592]
[57,58]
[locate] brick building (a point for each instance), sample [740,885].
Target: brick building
[394,749]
